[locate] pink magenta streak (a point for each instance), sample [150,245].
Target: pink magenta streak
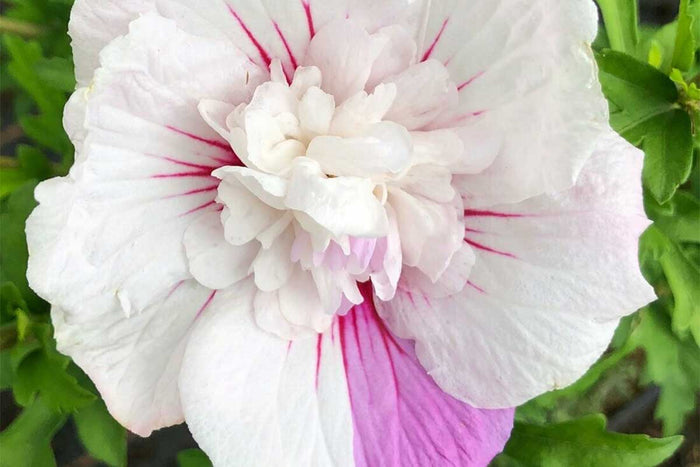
[319,350]
[188,164]
[184,175]
[210,142]
[469,81]
[199,208]
[263,53]
[475,287]
[489,249]
[416,423]
[481,213]
[206,304]
[309,18]
[430,50]
[196,191]
[292,58]
[470,230]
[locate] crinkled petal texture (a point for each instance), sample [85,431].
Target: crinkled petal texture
[263,230]
[355,395]
[106,242]
[552,277]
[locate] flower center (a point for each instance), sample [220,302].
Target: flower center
[339,190]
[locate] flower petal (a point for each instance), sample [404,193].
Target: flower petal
[543,104]
[94,24]
[343,205]
[213,261]
[134,362]
[344,52]
[552,277]
[355,395]
[143,172]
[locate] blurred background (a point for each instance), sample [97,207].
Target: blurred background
[621,388]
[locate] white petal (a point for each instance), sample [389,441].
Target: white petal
[452,281]
[543,103]
[387,261]
[273,266]
[94,24]
[244,216]
[344,53]
[213,261]
[251,398]
[385,148]
[424,92]
[398,52]
[316,110]
[134,362]
[430,232]
[355,395]
[362,110]
[270,189]
[552,277]
[343,205]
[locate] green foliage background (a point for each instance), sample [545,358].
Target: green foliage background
[651,79]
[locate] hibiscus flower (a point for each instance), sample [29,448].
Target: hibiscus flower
[337,232]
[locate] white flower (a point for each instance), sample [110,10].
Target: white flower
[273,199]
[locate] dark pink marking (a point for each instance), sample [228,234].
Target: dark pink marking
[263,53]
[195,191]
[206,304]
[200,207]
[197,173]
[470,230]
[487,213]
[470,81]
[233,160]
[489,249]
[430,50]
[292,58]
[289,346]
[400,416]
[187,164]
[319,350]
[475,287]
[210,142]
[309,18]
[172,291]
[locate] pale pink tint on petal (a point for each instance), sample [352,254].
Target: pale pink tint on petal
[400,416]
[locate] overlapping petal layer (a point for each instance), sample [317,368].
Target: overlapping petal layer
[552,277]
[355,395]
[245,167]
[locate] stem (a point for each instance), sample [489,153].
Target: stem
[621,23]
[21,28]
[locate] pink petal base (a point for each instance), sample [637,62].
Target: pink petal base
[401,417]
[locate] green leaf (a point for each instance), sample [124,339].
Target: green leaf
[645,111]
[24,56]
[682,275]
[672,363]
[26,442]
[668,144]
[102,436]
[14,211]
[47,127]
[582,442]
[57,73]
[679,219]
[621,23]
[6,372]
[684,50]
[193,458]
[43,374]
